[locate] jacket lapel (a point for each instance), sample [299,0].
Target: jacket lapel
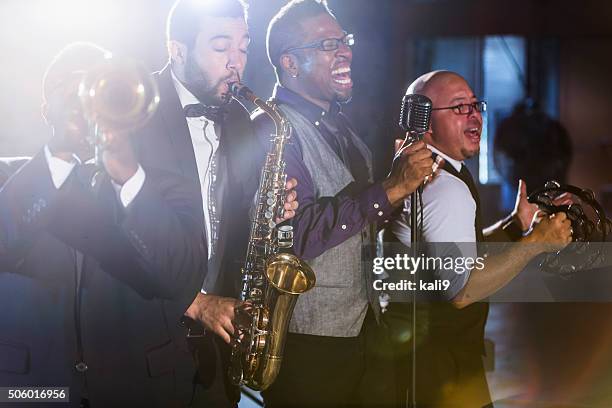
[176,125]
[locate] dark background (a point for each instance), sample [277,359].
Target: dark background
[558,53]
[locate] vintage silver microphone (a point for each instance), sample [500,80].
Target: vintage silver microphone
[415,115]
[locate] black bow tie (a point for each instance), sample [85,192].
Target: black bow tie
[197,110]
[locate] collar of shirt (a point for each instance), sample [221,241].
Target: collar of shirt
[187,98]
[455,163]
[311,111]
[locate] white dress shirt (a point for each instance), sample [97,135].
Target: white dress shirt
[205,145]
[449,212]
[60,170]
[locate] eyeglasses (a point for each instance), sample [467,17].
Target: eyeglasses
[327,44]
[466,108]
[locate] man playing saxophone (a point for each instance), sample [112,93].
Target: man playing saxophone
[206,136]
[324,360]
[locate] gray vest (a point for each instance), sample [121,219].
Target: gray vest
[338,303]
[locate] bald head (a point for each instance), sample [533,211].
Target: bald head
[454,134]
[435,83]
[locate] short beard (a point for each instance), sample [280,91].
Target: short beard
[468,155]
[200,85]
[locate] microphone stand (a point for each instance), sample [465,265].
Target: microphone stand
[415,118]
[412,137]
[414,242]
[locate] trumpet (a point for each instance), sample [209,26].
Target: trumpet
[118,95]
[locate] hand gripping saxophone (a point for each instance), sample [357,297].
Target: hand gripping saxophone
[271,280]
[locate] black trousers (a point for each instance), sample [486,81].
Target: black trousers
[449,370]
[212,387]
[339,372]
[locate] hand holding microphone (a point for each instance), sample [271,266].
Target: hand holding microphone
[415,119]
[413,164]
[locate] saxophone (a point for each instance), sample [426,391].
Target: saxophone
[272,280]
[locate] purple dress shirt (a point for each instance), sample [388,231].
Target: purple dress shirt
[324,222]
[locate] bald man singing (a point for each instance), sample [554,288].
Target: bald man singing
[450,371]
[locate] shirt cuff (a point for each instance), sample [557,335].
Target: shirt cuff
[374,203]
[128,192]
[59,169]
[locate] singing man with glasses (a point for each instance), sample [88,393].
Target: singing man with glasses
[449,364]
[324,360]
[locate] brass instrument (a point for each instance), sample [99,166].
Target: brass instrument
[118,95]
[271,280]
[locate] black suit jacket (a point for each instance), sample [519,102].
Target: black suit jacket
[37,284]
[141,268]
[166,143]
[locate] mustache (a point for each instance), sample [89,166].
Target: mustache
[233,76]
[475,123]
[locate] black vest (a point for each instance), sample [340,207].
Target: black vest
[461,327]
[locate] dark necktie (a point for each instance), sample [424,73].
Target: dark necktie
[213,113]
[465,176]
[348,152]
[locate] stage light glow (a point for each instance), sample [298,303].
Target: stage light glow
[208,3]
[75,15]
